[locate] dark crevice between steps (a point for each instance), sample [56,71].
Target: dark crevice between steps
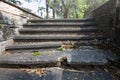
[30,66]
[33,49]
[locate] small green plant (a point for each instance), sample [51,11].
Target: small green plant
[61,49]
[36,53]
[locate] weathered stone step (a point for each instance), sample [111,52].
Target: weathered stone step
[79,43]
[63,34]
[59,31]
[57,38]
[14,74]
[44,45]
[55,73]
[72,58]
[60,20]
[68,74]
[38,25]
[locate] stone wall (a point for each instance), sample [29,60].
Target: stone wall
[105,13]
[4,44]
[13,16]
[105,17]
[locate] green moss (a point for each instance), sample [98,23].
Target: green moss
[61,49]
[36,53]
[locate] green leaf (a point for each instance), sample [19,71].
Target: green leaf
[37,53]
[61,49]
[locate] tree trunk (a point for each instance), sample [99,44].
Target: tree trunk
[47,13]
[66,13]
[53,13]
[54,9]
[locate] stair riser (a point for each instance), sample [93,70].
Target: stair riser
[53,64]
[32,49]
[25,47]
[64,42]
[32,65]
[60,32]
[61,21]
[46,40]
[45,45]
[58,25]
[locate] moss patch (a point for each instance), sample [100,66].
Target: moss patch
[36,53]
[61,49]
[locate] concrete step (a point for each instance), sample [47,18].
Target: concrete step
[68,74]
[60,31]
[71,57]
[84,42]
[62,34]
[34,38]
[44,45]
[60,20]
[14,74]
[39,25]
[55,73]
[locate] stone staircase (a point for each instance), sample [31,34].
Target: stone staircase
[67,49]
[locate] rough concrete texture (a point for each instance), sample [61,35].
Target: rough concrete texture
[4,44]
[74,57]
[55,74]
[7,74]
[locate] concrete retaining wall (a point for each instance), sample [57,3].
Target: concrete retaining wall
[14,16]
[3,44]
[105,17]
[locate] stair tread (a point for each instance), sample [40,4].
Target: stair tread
[14,74]
[54,73]
[59,36]
[62,29]
[75,57]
